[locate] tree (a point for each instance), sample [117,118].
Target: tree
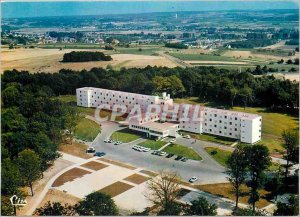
[237,170]
[258,161]
[95,204]
[201,207]
[71,120]
[30,167]
[249,212]
[7,209]
[173,209]
[291,145]
[246,95]
[289,61]
[163,190]
[233,93]
[54,209]
[288,209]
[10,181]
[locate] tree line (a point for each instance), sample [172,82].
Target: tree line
[247,165]
[209,84]
[85,56]
[176,45]
[33,125]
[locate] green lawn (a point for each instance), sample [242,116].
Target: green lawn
[218,154]
[183,151]
[126,135]
[87,130]
[273,124]
[154,145]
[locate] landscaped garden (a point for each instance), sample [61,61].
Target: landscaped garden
[125,135]
[153,144]
[184,151]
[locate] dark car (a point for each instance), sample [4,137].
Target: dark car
[184,159]
[99,154]
[169,155]
[178,157]
[155,152]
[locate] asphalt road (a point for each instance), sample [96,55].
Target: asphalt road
[207,171]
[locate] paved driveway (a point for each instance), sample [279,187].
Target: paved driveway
[207,170]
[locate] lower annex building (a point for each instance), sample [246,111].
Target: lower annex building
[172,117]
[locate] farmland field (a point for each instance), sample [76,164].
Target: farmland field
[49,60]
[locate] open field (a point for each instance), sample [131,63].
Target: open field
[218,154]
[126,135]
[226,190]
[48,60]
[54,195]
[154,145]
[87,130]
[184,151]
[75,149]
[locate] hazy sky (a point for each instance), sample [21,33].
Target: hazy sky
[12,9]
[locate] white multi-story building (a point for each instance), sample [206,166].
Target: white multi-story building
[191,118]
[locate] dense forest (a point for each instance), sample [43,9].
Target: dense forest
[85,56]
[209,84]
[176,45]
[33,125]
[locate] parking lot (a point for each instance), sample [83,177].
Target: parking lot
[207,170]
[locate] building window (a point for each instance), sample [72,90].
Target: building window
[220,132]
[220,121]
[230,123]
[235,118]
[235,129]
[225,117]
[210,119]
[215,115]
[215,125]
[225,128]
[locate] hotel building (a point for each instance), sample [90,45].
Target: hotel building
[241,126]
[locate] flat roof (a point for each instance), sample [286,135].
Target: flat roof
[159,126]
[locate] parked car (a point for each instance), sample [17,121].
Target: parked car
[106,140]
[193,179]
[187,136]
[90,150]
[169,155]
[162,153]
[155,152]
[146,149]
[99,154]
[118,143]
[135,147]
[173,140]
[178,157]
[184,159]
[110,141]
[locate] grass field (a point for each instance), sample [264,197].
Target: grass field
[273,124]
[183,151]
[154,145]
[126,135]
[87,130]
[226,190]
[202,57]
[220,156]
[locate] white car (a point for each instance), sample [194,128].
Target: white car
[162,153]
[187,136]
[173,140]
[106,140]
[147,149]
[193,179]
[135,147]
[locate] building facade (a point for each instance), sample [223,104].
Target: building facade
[172,117]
